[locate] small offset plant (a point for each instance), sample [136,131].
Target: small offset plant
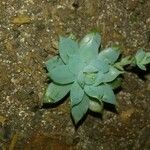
[87,73]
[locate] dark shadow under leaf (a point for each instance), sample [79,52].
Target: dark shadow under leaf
[53,105]
[110,107]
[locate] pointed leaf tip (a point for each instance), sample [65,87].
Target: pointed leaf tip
[110,54]
[67,48]
[55,92]
[78,111]
[109,96]
[96,106]
[61,74]
[142,58]
[53,63]
[112,74]
[76,94]
[89,46]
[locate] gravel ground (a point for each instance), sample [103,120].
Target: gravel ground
[29,31]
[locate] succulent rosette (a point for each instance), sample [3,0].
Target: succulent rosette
[85,72]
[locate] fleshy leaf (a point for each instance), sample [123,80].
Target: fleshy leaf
[142,58]
[107,77]
[78,111]
[76,94]
[141,66]
[53,62]
[61,74]
[109,95]
[111,75]
[89,46]
[100,64]
[101,92]
[75,64]
[124,61]
[95,106]
[146,59]
[86,78]
[80,79]
[99,79]
[94,91]
[90,78]
[67,48]
[90,69]
[139,55]
[110,54]
[55,92]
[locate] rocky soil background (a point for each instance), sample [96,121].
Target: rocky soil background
[29,33]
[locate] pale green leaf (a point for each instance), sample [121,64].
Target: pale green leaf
[67,48]
[55,92]
[89,46]
[75,64]
[110,54]
[95,106]
[61,74]
[76,94]
[90,69]
[139,56]
[90,78]
[142,58]
[100,64]
[86,78]
[141,66]
[53,62]
[111,75]
[107,77]
[146,59]
[102,92]
[94,91]
[109,95]
[78,111]
[124,61]
[99,79]
[81,79]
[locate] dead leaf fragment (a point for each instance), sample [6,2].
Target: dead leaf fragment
[2,120]
[126,115]
[14,140]
[21,19]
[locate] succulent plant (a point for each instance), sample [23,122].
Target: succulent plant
[87,73]
[142,58]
